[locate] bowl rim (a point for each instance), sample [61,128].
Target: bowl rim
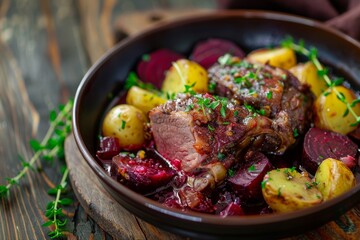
[234,221]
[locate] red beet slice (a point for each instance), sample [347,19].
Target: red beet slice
[232,209]
[142,175]
[321,144]
[247,180]
[207,52]
[153,66]
[109,147]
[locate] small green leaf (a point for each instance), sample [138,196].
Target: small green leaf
[52,191]
[231,172]
[66,201]
[346,112]
[145,57]
[323,72]
[356,101]
[12,181]
[313,53]
[338,81]
[47,224]
[52,115]
[35,145]
[341,97]
[3,191]
[269,95]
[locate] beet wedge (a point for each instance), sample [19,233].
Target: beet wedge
[322,144]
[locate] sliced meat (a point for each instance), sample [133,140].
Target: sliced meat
[277,92]
[198,131]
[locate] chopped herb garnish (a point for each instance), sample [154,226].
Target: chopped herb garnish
[279,192]
[231,172]
[211,128]
[212,86]
[236,113]
[225,123]
[308,185]
[263,183]
[123,124]
[269,95]
[133,80]
[221,156]
[225,59]
[252,168]
[189,89]
[189,107]
[146,57]
[295,132]
[283,76]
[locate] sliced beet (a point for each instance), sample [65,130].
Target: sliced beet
[207,52]
[109,147]
[247,180]
[143,175]
[232,209]
[152,68]
[322,144]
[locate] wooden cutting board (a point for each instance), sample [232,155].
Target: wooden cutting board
[121,224]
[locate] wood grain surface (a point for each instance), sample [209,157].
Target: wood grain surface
[46,48]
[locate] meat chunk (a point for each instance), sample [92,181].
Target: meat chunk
[276,91]
[194,132]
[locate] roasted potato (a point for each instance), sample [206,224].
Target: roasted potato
[125,122]
[329,111]
[143,99]
[333,178]
[185,72]
[277,57]
[307,74]
[287,190]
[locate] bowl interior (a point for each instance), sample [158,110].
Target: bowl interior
[250,30]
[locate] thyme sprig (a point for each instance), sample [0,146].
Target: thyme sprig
[51,146]
[54,211]
[312,55]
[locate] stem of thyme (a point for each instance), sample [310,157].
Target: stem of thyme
[311,54]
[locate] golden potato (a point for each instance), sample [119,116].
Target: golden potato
[307,74]
[143,99]
[329,111]
[185,72]
[125,122]
[277,57]
[287,190]
[333,178]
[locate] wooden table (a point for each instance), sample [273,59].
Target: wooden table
[45,48]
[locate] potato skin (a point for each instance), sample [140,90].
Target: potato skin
[307,74]
[329,111]
[185,72]
[143,99]
[125,122]
[277,57]
[333,178]
[286,190]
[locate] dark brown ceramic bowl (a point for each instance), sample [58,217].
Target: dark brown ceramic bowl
[250,30]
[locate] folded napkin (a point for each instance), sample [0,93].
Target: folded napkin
[341,14]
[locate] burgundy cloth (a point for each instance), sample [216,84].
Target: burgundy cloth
[341,14]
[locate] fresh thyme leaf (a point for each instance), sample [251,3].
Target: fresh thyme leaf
[35,145]
[145,57]
[3,191]
[231,172]
[52,115]
[346,112]
[212,86]
[211,128]
[295,132]
[252,168]
[269,95]
[356,101]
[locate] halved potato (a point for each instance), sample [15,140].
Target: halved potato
[277,57]
[307,74]
[126,123]
[333,178]
[329,111]
[185,72]
[143,99]
[286,190]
